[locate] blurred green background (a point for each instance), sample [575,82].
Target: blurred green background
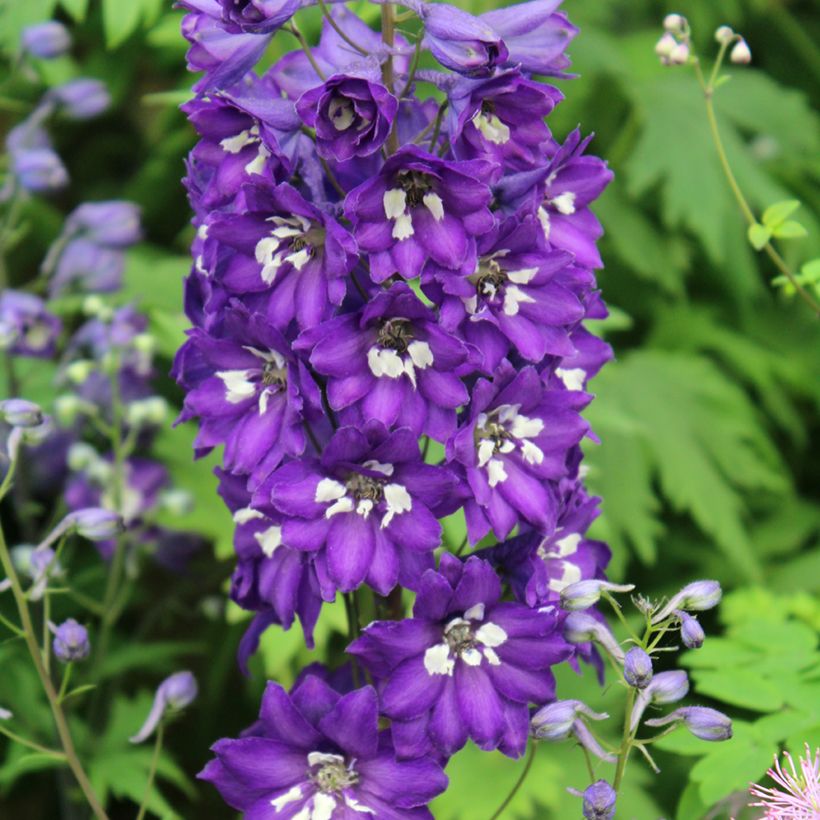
[706,418]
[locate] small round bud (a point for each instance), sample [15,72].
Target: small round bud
[177,502]
[144,343]
[153,410]
[81,456]
[82,98]
[96,523]
[70,641]
[691,632]
[68,408]
[701,721]
[674,23]
[679,54]
[637,668]
[5,714]
[668,687]
[21,413]
[95,306]
[599,801]
[77,372]
[39,170]
[741,53]
[584,594]
[724,35]
[46,40]
[666,45]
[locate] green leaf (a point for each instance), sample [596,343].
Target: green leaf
[740,687]
[80,690]
[78,9]
[120,20]
[759,236]
[790,230]
[778,213]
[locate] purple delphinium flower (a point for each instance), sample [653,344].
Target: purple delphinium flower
[27,328]
[283,254]
[352,116]
[46,40]
[269,575]
[465,665]
[513,447]
[500,118]
[599,801]
[70,641]
[318,754]
[518,296]
[421,207]
[367,508]
[248,390]
[391,362]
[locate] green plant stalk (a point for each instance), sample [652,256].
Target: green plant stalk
[518,783]
[63,730]
[771,251]
[152,772]
[388,37]
[626,743]
[43,750]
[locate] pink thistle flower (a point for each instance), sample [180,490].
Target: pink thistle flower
[798,797]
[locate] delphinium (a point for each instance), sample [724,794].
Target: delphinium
[69,463]
[394,258]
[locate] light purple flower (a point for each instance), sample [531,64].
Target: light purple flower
[691,632]
[465,665]
[81,99]
[70,641]
[173,694]
[39,170]
[555,721]
[599,801]
[316,753]
[367,509]
[420,207]
[20,413]
[46,40]
[701,721]
[637,668]
[27,328]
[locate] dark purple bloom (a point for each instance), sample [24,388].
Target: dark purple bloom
[269,575]
[391,362]
[46,40]
[175,693]
[513,447]
[465,665]
[500,118]
[70,641]
[534,34]
[318,754]
[248,391]
[26,326]
[421,207]
[81,99]
[460,41]
[286,253]
[367,509]
[249,16]
[519,295]
[352,116]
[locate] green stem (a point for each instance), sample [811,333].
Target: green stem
[518,783]
[388,38]
[771,251]
[152,772]
[291,29]
[626,743]
[66,679]
[337,28]
[63,731]
[616,607]
[31,744]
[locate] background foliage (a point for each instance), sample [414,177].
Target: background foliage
[706,417]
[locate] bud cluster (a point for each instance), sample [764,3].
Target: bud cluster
[675,44]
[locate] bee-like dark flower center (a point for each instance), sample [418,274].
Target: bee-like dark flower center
[330,774]
[459,637]
[496,433]
[364,487]
[273,375]
[489,278]
[415,184]
[395,334]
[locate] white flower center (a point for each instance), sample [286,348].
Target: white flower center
[499,433]
[464,640]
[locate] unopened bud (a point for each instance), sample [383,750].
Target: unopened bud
[691,632]
[741,53]
[674,23]
[96,523]
[153,410]
[638,668]
[21,413]
[580,627]
[174,693]
[70,641]
[46,40]
[144,343]
[81,456]
[80,370]
[584,594]
[665,687]
[555,720]
[177,502]
[95,306]
[5,714]
[679,54]
[599,801]
[701,721]
[698,595]
[724,35]
[665,46]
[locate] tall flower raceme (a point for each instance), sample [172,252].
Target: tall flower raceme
[80,465]
[392,268]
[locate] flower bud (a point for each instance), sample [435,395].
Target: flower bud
[599,801]
[555,720]
[674,23]
[584,594]
[70,641]
[5,714]
[80,370]
[68,408]
[666,44]
[153,410]
[39,170]
[21,413]
[691,632]
[81,99]
[638,668]
[177,501]
[698,595]
[96,306]
[665,687]
[741,53]
[96,523]
[580,627]
[585,737]
[144,343]
[701,721]
[81,456]
[724,35]
[174,693]
[114,223]
[46,40]
[679,54]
